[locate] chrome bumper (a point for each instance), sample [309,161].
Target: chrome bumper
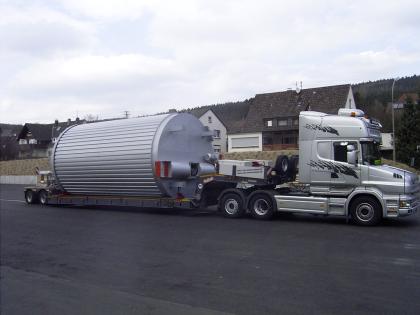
[402,207]
[412,209]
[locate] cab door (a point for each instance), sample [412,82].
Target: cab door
[319,162]
[344,177]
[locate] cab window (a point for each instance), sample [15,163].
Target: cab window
[340,150]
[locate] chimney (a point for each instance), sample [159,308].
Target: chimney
[56,123]
[77,120]
[68,121]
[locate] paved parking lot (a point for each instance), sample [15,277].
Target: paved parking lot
[132,261]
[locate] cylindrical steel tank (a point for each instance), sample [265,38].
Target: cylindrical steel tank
[160,155]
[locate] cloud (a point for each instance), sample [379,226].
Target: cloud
[38,30]
[106,56]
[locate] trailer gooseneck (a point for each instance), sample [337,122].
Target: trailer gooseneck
[168,161]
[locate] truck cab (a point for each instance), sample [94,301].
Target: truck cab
[339,157]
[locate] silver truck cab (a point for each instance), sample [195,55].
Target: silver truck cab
[339,158]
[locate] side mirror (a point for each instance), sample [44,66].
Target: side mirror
[351,155]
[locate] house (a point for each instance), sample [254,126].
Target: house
[36,140]
[272,121]
[387,144]
[221,119]
[402,100]
[8,145]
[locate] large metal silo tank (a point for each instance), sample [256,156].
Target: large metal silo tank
[159,155]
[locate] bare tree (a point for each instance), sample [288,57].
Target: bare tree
[90,117]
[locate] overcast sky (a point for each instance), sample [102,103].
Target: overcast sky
[63,58]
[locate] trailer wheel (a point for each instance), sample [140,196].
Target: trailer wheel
[232,205]
[43,197]
[366,210]
[31,197]
[261,206]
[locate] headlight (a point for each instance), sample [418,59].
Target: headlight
[405,204]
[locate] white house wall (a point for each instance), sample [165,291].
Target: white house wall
[215,124]
[245,142]
[350,103]
[387,143]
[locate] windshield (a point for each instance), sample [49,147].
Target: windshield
[370,153]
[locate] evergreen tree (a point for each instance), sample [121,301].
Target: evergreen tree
[408,134]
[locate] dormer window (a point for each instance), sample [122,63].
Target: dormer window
[282,122]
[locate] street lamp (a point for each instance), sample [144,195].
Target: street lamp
[393,121]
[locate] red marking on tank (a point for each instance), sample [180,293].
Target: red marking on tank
[157,168]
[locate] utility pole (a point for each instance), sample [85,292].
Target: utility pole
[393,119]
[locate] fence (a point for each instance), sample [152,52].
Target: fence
[18,179]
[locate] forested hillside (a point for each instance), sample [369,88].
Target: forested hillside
[374,97]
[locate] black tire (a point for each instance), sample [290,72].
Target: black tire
[366,211]
[232,205]
[261,206]
[282,165]
[31,197]
[43,197]
[293,167]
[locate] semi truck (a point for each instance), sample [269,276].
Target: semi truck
[168,161]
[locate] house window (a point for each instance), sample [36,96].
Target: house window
[32,141]
[23,141]
[267,140]
[209,119]
[269,123]
[282,122]
[245,142]
[216,148]
[216,134]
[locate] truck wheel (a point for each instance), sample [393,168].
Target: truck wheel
[282,165]
[366,210]
[293,167]
[232,205]
[43,197]
[30,197]
[261,206]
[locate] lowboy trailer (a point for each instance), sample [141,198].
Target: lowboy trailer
[168,161]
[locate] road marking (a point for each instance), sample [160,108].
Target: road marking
[12,200]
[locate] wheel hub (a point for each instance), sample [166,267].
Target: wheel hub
[365,212]
[261,207]
[231,206]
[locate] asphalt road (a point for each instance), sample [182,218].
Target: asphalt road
[131,261]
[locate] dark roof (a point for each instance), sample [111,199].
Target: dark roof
[290,103]
[45,132]
[230,114]
[9,130]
